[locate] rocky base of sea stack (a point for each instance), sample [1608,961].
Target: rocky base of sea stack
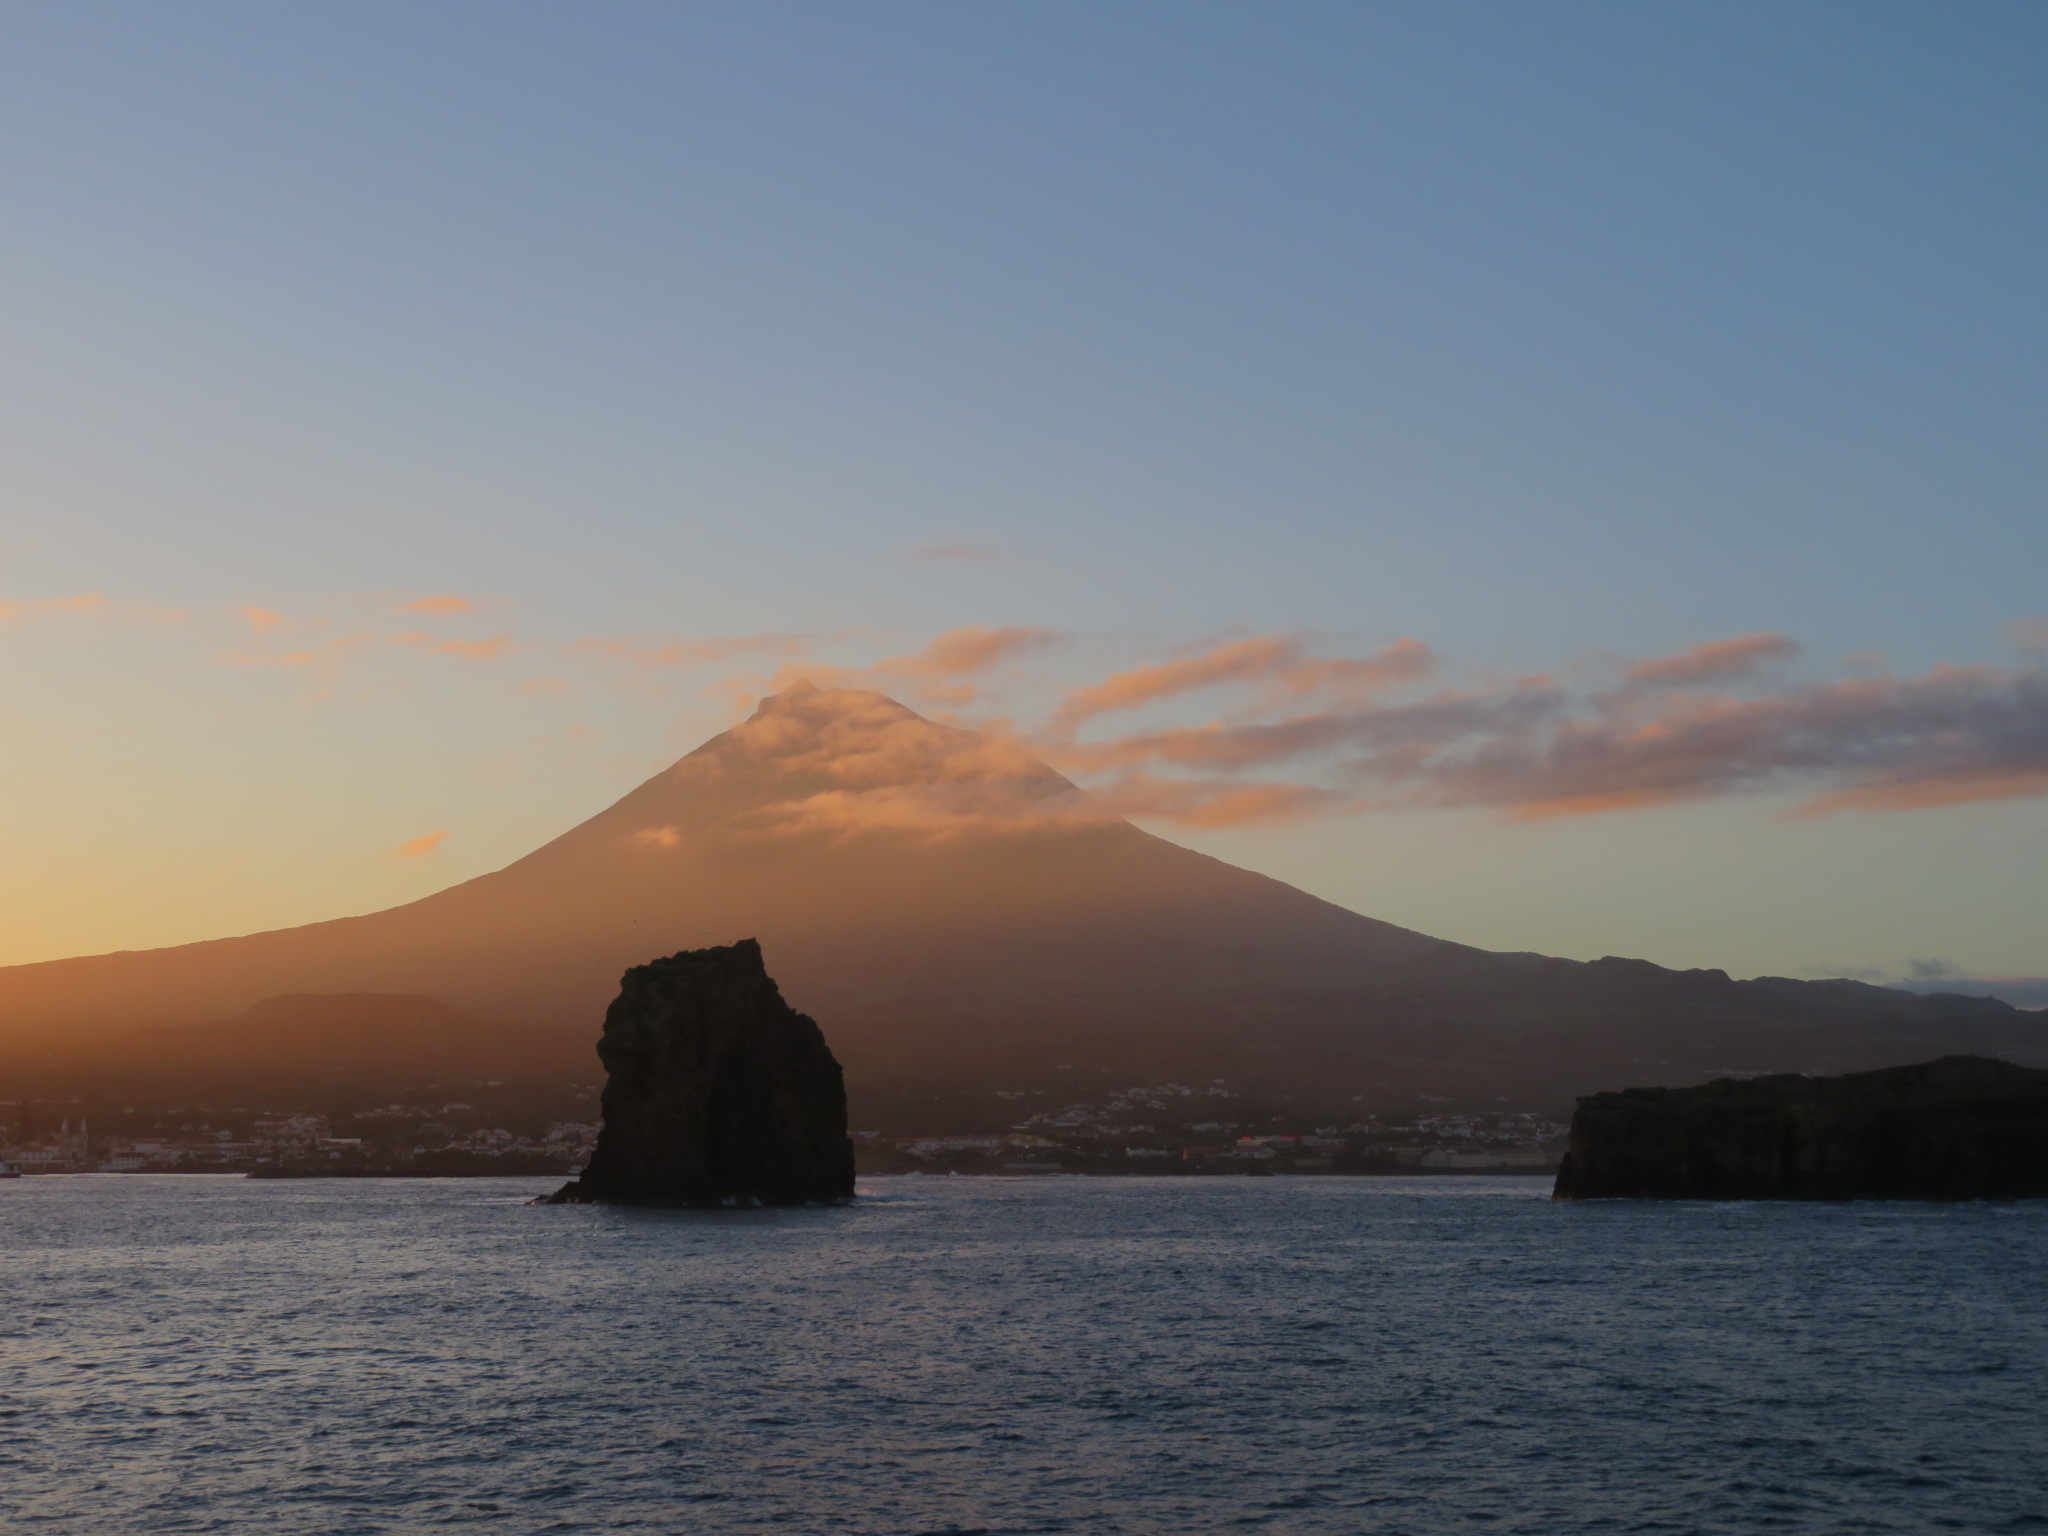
[719,1094]
[1961,1128]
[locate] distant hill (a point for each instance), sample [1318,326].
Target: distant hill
[374,1037]
[962,919]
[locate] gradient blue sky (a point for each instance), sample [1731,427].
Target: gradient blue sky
[1542,333]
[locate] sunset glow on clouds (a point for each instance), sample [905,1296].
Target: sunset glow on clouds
[420,847]
[87,605]
[1536,749]
[476,650]
[1717,661]
[1306,733]
[1279,663]
[85,602]
[1278,728]
[1530,747]
[443,606]
[948,670]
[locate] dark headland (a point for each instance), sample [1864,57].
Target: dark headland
[1961,1128]
[719,1093]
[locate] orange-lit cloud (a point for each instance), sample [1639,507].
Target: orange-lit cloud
[959,652]
[463,650]
[1536,751]
[445,604]
[84,603]
[1280,662]
[1281,727]
[945,671]
[1326,734]
[858,740]
[322,657]
[1962,786]
[1956,734]
[1593,805]
[851,763]
[476,650]
[420,847]
[1217,803]
[930,813]
[1717,661]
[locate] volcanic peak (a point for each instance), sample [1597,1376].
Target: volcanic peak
[845,761]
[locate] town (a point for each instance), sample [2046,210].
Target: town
[1149,1129]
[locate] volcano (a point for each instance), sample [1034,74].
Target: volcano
[963,919]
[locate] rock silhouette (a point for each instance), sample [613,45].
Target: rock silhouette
[1961,1128]
[719,1092]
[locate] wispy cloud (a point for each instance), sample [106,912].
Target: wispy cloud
[1717,661]
[1280,664]
[1220,802]
[444,605]
[476,650]
[84,603]
[1310,731]
[463,650]
[1284,726]
[949,670]
[324,657]
[1955,735]
[420,847]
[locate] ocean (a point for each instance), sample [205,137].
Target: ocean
[1317,1356]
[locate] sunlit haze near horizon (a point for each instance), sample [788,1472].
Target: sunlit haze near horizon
[1561,478]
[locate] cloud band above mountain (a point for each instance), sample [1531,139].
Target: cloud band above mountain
[1294,733]
[1277,727]
[1536,748]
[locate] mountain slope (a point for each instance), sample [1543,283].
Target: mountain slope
[962,918]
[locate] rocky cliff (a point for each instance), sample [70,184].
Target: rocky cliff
[1961,1128]
[719,1092]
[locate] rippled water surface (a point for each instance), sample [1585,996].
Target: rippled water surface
[1327,1356]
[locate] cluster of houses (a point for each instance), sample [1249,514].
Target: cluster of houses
[1173,1127]
[291,1139]
[1151,1129]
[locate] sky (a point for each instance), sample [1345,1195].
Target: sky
[1562,477]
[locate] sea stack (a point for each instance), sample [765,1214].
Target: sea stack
[1961,1128]
[719,1093]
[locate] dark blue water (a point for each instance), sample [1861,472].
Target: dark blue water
[1329,1356]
